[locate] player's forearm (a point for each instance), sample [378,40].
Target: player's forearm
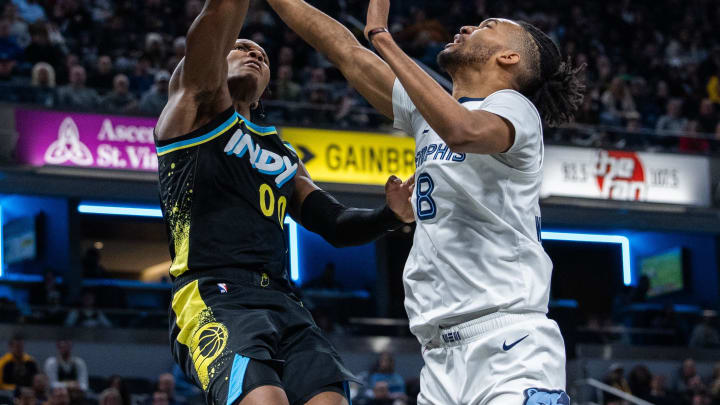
[210,39]
[318,29]
[442,112]
[343,226]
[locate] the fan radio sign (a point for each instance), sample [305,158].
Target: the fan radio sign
[626,176]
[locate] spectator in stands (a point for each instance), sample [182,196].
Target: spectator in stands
[640,381]
[617,102]
[18,26]
[382,395]
[88,316]
[285,88]
[30,10]
[50,297]
[704,334]
[658,392]
[384,370]
[65,368]
[166,384]
[154,100]
[120,100]
[41,387]
[116,382]
[59,396]
[91,264]
[616,379]
[24,396]
[141,80]
[75,94]
[714,386]
[688,382]
[672,122]
[41,49]
[10,84]
[8,44]
[179,45]
[160,398]
[103,76]
[17,368]
[42,81]
[110,396]
[77,394]
[707,118]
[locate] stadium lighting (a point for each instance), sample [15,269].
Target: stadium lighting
[598,238]
[294,253]
[122,210]
[150,211]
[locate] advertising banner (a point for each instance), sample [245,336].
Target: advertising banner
[352,157]
[126,143]
[626,176]
[85,140]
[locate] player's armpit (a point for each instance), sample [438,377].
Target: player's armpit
[365,71]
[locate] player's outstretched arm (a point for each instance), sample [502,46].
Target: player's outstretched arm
[342,226]
[461,129]
[198,87]
[365,71]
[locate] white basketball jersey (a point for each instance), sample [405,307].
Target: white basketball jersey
[477,244]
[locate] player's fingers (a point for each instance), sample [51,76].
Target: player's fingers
[410,182]
[394,179]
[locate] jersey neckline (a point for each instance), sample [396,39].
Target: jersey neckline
[469,99]
[259,130]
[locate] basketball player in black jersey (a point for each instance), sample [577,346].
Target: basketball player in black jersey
[225,185]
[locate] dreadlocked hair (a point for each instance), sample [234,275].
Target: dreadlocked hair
[553,85]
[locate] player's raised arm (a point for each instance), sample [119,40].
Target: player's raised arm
[319,212]
[198,87]
[365,71]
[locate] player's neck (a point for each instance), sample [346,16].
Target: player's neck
[242,108]
[474,84]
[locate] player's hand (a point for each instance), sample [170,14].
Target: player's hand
[377,16]
[398,195]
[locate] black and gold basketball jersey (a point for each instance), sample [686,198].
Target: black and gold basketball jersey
[224,190]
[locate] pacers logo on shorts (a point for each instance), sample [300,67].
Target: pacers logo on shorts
[207,344]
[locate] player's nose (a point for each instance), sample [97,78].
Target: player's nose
[467,30]
[256,54]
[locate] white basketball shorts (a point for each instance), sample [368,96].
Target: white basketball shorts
[499,359]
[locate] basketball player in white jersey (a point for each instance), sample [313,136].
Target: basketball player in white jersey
[477,280]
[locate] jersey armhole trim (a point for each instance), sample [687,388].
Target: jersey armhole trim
[257,129]
[193,139]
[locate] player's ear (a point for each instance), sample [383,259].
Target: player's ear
[530,392]
[508,58]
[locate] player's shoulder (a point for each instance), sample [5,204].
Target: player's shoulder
[514,97]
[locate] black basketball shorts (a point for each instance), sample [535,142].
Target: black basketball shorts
[231,331]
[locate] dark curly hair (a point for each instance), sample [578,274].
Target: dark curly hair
[553,85]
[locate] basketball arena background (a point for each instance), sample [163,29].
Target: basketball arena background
[631,214]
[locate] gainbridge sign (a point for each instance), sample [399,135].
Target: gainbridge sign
[352,157]
[626,176]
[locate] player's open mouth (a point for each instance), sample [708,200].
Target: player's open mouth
[254,65]
[458,39]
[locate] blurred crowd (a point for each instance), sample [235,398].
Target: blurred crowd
[686,386]
[63,379]
[651,66]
